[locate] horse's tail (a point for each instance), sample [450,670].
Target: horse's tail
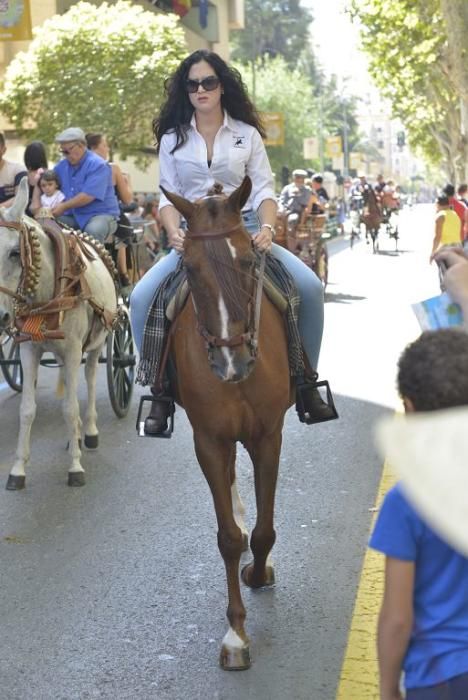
[60,388]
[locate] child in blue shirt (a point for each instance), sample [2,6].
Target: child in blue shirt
[423,623]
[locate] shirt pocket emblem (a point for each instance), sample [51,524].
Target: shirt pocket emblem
[238,141]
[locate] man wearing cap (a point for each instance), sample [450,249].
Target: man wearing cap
[294,199]
[86,180]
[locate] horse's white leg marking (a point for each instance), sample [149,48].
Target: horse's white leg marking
[71,408]
[231,248]
[30,357]
[91,374]
[224,316]
[238,509]
[231,640]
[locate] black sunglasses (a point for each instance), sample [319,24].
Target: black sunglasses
[210,83]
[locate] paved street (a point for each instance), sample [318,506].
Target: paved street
[117,590]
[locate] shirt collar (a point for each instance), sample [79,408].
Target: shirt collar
[228,122]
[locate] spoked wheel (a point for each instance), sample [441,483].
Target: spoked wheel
[121,364]
[10,362]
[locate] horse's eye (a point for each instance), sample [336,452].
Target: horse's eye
[14,254]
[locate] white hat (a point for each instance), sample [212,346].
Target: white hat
[430,452]
[299,173]
[73,133]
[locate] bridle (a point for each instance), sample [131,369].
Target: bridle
[30,254]
[250,337]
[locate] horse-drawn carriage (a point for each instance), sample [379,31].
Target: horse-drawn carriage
[367,210]
[61,304]
[119,355]
[307,240]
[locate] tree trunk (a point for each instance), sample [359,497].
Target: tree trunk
[456,17]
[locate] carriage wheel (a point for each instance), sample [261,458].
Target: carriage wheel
[120,364]
[11,363]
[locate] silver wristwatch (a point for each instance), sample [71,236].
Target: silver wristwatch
[272,229]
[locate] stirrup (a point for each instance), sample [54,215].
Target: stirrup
[308,417]
[140,424]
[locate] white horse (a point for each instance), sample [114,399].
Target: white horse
[21,285]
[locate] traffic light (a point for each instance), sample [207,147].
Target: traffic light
[401,139]
[284,176]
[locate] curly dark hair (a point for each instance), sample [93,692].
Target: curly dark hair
[176,112]
[433,370]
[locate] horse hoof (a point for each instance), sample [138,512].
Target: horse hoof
[245,542]
[235,659]
[267,582]
[15,483]
[91,441]
[76,479]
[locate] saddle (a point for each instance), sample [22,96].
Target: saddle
[40,321]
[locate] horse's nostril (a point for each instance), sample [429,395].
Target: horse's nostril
[5,318]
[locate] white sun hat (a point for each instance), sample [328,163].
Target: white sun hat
[430,452]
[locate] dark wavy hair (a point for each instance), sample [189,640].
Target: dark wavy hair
[35,156]
[433,370]
[176,112]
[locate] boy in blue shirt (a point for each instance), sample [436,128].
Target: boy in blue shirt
[423,623]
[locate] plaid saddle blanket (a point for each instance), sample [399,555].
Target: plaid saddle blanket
[157,325]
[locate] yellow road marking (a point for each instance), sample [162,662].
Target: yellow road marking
[359,678]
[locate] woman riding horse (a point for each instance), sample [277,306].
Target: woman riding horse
[209,131]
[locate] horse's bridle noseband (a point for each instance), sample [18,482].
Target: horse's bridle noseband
[250,337]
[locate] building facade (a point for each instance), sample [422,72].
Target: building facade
[221,16]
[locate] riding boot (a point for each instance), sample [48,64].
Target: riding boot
[156,421]
[310,406]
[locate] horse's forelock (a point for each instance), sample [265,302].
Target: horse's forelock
[231,280]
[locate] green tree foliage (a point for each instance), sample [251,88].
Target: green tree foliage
[407,45]
[272,28]
[305,113]
[294,101]
[101,68]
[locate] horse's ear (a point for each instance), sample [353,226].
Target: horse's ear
[238,198]
[182,205]
[20,202]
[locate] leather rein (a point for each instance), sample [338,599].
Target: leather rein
[250,337]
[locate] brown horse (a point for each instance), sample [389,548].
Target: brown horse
[233,389]
[371,217]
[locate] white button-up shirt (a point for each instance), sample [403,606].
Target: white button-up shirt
[238,150]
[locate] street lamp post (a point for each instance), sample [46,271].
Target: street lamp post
[345,143]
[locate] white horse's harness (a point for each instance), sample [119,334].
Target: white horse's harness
[38,321]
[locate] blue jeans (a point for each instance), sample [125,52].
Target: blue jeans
[453,689]
[99,226]
[307,283]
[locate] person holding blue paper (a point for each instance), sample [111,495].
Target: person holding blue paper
[455,277]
